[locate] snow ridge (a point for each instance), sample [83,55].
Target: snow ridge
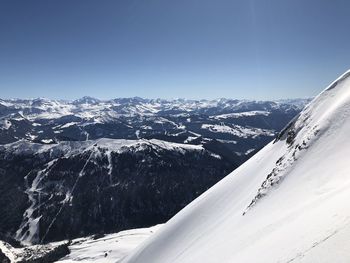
[284,163]
[301,132]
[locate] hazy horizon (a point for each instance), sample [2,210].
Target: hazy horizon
[150,98]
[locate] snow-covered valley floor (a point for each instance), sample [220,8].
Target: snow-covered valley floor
[110,248]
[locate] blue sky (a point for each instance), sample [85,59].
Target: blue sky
[254,49]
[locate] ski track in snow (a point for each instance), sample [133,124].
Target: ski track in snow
[317,243]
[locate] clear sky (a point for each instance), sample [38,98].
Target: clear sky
[254,49]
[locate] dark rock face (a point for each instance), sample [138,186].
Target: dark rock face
[4,258]
[13,200]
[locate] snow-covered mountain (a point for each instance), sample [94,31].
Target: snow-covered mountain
[75,168]
[71,189]
[288,203]
[96,110]
[243,126]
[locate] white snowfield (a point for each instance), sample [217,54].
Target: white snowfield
[288,203]
[241,114]
[77,147]
[110,248]
[238,130]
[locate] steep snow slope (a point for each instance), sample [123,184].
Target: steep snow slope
[289,203]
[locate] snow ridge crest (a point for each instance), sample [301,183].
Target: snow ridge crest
[322,114]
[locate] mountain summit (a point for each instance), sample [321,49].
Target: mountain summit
[288,203]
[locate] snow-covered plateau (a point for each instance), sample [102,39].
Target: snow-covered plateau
[110,248]
[288,203]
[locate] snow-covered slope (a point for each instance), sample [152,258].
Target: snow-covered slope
[288,203]
[110,248]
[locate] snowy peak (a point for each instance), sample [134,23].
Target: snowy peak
[88,107]
[286,204]
[324,114]
[320,114]
[335,83]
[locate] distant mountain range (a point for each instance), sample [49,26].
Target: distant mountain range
[73,168]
